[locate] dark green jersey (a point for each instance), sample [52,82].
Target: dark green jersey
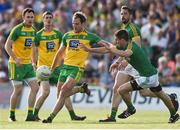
[132,30]
[140,61]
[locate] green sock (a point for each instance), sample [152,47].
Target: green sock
[12,112]
[113,112]
[72,114]
[52,115]
[30,111]
[81,89]
[131,108]
[36,112]
[172,111]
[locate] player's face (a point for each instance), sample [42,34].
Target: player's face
[28,18]
[125,16]
[120,42]
[48,20]
[77,25]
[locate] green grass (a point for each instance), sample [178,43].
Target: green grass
[142,119]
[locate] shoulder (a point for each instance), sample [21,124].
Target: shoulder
[40,31]
[18,27]
[55,30]
[132,25]
[34,29]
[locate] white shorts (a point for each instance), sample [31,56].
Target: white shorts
[15,82]
[130,70]
[148,82]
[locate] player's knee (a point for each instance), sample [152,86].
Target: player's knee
[115,90]
[120,91]
[46,93]
[135,85]
[17,91]
[156,89]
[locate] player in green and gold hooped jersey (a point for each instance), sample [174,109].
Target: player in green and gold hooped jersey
[74,60]
[148,75]
[20,46]
[48,41]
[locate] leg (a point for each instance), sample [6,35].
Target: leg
[124,92]
[68,105]
[45,86]
[146,92]
[65,89]
[17,90]
[32,98]
[167,101]
[116,98]
[173,97]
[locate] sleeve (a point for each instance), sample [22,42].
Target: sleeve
[134,31]
[37,39]
[63,42]
[60,37]
[14,34]
[94,40]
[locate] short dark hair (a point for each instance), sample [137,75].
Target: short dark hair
[27,10]
[126,8]
[47,13]
[122,34]
[81,16]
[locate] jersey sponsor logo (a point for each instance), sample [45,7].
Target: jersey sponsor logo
[28,42]
[50,46]
[73,43]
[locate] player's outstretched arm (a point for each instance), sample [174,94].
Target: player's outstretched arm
[121,53]
[94,50]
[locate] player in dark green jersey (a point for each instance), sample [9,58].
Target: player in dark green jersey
[148,75]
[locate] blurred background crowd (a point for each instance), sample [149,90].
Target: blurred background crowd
[158,20]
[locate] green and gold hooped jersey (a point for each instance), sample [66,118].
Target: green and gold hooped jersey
[23,38]
[132,30]
[74,55]
[48,44]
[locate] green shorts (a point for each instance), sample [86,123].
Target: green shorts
[20,73]
[55,75]
[71,71]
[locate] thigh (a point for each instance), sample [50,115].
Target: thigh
[45,85]
[120,79]
[69,84]
[16,72]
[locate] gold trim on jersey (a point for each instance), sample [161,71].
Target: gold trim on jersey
[80,33]
[129,46]
[133,29]
[78,76]
[12,66]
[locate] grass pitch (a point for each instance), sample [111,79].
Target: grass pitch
[142,120]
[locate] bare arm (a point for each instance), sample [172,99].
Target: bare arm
[121,53]
[34,56]
[97,49]
[8,48]
[58,57]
